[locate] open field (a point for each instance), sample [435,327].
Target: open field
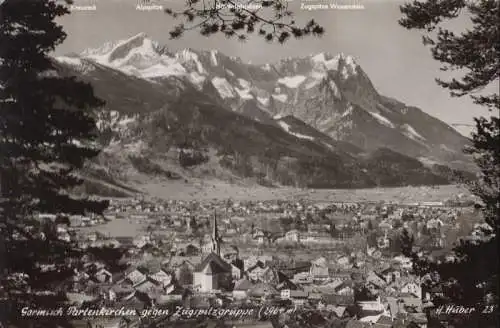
[117,228]
[220,190]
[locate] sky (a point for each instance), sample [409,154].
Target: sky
[394,58]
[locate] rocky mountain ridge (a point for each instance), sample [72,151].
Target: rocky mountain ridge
[321,109]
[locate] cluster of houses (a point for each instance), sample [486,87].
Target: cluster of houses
[220,276]
[159,271]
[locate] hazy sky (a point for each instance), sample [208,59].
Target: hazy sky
[393,57]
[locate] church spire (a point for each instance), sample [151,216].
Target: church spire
[215,235]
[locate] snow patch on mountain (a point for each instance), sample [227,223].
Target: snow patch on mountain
[263,100]
[161,70]
[348,111]
[244,83]
[230,72]
[316,77]
[119,53]
[280,97]
[335,89]
[223,87]
[266,67]
[99,54]
[244,93]
[350,62]
[427,161]
[286,127]
[410,132]
[381,119]
[76,63]
[188,55]
[446,148]
[69,60]
[213,57]
[345,73]
[292,81]
[312,84]
[197,79]
[329,64]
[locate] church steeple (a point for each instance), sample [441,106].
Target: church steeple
[215,236]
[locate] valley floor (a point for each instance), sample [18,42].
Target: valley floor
[205,190]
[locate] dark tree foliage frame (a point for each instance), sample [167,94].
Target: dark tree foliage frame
[472,277]
[47,132]
[270,19]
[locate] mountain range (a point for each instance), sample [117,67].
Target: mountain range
[315,122]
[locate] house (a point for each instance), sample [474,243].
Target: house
[162,277]
[270,275]
[383,242]
[184,273]
[340,311]
[125,242]
[343,261]
[236,270]
[319,269]
[384,322]
[135,276]
[263,290]
[418,320]
[258,272]
[207,247]
[251,262]
[345,288]
[148,286]
[390,275]
[104,275]
[259,237]
[212,274]
[373,280]
[241,288]
[230,253]
[285,283]
[314,297]
[409,304]
[298,297]
[177,261]
[292,236]
[342,276]
[302,278]
[190,250]
[116,292]
[392,306]
[331,299]
[412,288]
[403,261]
[372,306]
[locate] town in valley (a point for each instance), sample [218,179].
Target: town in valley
[341,261]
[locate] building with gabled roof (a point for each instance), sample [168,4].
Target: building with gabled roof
[213,273]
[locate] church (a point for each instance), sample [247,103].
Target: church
[214,243]
[213,273]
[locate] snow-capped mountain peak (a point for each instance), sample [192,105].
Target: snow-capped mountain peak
[130,55]
[331,93]
[326,60]
[189,56]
